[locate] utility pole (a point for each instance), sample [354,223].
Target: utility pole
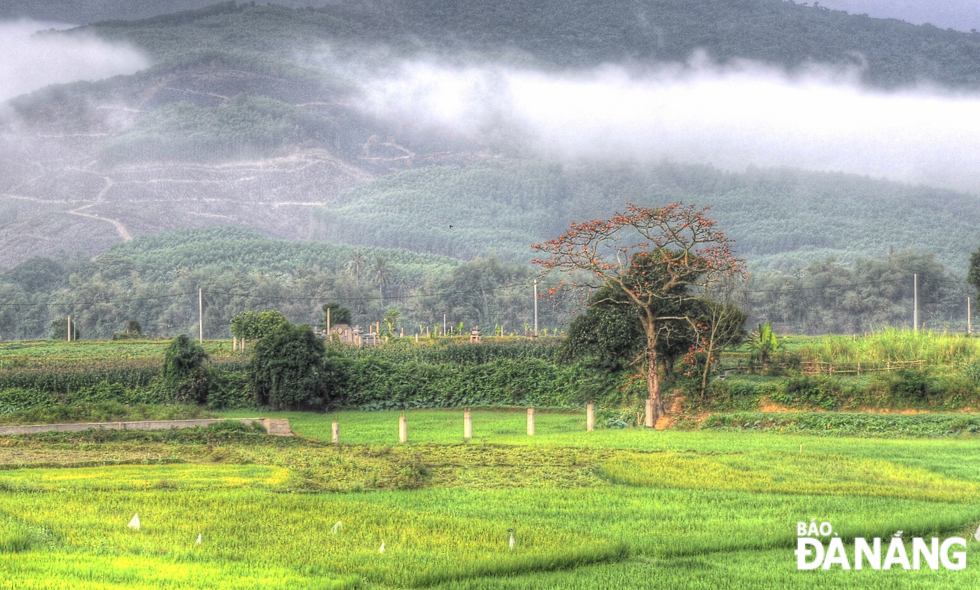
[535,308]
[200,315]
[443,324]
[969,317]
[69,328]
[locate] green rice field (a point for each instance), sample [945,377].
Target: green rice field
[629,508]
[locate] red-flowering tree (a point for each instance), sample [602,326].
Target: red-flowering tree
[663,260]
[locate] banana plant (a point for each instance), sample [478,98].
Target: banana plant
[765,343]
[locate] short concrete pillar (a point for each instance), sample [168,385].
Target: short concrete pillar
[590,417]
[336,432]
[530,421]
[403,430]
[648,421]
[467,425]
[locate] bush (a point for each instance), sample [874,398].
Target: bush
[288,370]
[972,372]
[133,331]
[185,378]
[230,390]
[803,391]
[902,387]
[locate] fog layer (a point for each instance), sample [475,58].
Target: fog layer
[32,60]
[731,117]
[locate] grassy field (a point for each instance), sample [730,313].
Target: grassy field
[623,508]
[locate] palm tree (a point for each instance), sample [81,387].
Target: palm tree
[382,275]
[355,266]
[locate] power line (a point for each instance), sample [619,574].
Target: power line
[80,303]
[847,285]
[277,298]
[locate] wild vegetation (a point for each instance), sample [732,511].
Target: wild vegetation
[890,371]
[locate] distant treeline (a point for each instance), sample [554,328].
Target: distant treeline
[155,281]
[832,297]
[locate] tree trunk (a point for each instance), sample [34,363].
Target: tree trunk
[655,403]
[707,364]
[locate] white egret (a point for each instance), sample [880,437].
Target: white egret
[382,550]
[336,527]
[976,535]
[135,523]
[512,541]
[199,538]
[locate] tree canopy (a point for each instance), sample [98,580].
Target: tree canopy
[662,260]
[287,369]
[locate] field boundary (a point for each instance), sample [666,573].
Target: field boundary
[273,426]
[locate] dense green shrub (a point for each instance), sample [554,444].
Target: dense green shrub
[253,326]
[972,372]
[378,384]
[185,377]
[230,389]
[823,392]
[101,411]
[918,388]
[288,370]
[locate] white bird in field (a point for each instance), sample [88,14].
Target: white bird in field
[135,523]
[199,538]
[976,535]
[382,550]
[512,541]
[337,527]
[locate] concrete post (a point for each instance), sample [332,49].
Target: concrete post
[336,432]
[590,417]
[403,430]
[530,421]
[467,425]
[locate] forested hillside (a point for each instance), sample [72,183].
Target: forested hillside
[262,117]
[582,33]
[780,219]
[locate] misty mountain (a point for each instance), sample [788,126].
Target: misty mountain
[962,15]
[83,12]
[578,33]
[334,123]
[780,219]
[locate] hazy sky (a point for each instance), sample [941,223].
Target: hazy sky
[31,61]
[731,117]
[953,14]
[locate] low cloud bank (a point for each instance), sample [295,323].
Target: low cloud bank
[32,60]
[732,117]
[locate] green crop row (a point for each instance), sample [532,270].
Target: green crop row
[845,424]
